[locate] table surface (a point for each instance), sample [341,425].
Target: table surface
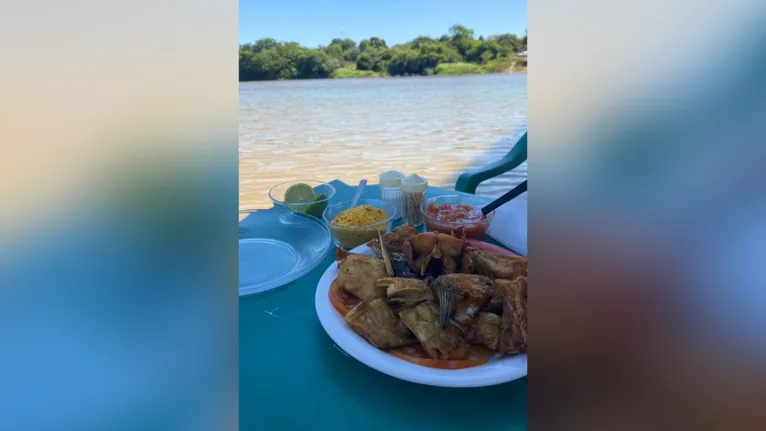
[293,377]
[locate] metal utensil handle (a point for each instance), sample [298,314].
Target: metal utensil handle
[358,193]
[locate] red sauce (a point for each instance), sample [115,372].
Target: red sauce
[454,215]
[455,212]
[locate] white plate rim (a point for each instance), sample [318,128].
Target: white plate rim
[495,372]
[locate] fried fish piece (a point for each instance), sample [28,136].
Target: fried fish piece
[406,290]
[502,286]
[423,248]
[375,321]
[358,274]
[496,302]
[341,254]
[473,293]
[494,265]
[447,291]
[513,336]
[405,331]
[439,343]
[394,240]
[486,330]
[420,249]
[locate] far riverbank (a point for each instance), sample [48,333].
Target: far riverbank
[445,69]
[457,53]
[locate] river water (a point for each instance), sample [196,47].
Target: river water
[437,127]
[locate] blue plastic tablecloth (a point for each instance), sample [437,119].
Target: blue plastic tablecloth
[293,377]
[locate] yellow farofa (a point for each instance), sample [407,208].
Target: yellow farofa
[354,218]
[362,215]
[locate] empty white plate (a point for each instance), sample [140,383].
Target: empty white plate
[277,247]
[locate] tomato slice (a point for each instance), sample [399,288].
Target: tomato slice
[477,355]
[342,301]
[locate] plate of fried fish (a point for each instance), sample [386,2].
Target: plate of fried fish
[430,308]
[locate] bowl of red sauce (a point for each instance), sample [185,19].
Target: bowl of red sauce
[445,213]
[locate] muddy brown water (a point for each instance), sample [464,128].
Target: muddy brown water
[437,127]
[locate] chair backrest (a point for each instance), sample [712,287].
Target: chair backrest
[469,181]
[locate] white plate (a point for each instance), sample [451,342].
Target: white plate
[494,372]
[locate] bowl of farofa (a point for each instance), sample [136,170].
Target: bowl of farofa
[351,227]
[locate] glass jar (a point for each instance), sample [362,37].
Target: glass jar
[391,190]
[414,188]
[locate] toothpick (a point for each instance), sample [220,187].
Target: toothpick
[386,257]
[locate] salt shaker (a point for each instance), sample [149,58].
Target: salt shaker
[414,188]
[391,190]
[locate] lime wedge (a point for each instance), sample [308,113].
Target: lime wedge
[299,194]
[317,209]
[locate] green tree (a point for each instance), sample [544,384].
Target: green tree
[370,60]
[371,44]
[421,41]
[264,44]
[271,64]
[404,62]
[378,43]
[268,59]
[462,39]
[483,52]
[458,32]
[349,50]
[351,54]
[246,72]
[345,44]
[315,64]
[335,51]
[441,52]
[510,42]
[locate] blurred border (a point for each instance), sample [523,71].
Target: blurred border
[646,222]
[119,196]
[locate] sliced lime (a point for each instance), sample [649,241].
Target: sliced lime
[299,194]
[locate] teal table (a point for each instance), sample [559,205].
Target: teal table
[292,377]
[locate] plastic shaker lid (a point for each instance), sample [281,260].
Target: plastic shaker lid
[414,184]
[391,179]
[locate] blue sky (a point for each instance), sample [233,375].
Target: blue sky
[316,22]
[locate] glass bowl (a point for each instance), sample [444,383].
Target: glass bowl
[473,223]
[348,237]
[314,208]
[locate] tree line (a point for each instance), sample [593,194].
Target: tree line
[268,59]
